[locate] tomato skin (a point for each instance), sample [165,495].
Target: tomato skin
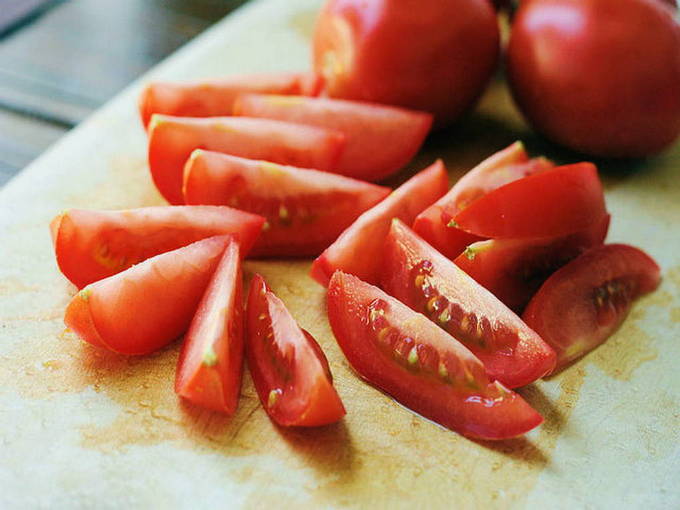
[173,139]
[429,283]
[597,289]
[435,56]
[92,245]
[358,250]
[380,139]
[214,98]
[514,269]
[598,76]
[468,403]
[211,362]
[137,312]
[287,363]
[305,209]
[552,203]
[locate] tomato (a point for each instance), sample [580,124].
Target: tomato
[514,269]
[597,290]
[91,245]
[148,305]
[289,369]
[359,249]
[306,209]
[380,139]
[552,203]
[505,166]
[424,368]
[435,56]
[598,76]
[429,283]
[172,139]
[211,362]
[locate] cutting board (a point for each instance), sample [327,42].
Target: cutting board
[83,428]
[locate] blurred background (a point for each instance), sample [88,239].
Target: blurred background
[60,60]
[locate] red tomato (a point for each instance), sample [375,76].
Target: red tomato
[289,369]
[212,98]
[91,245]
[380,139]
[599,76]
[505,166]
[211,362]
[420,277]
[552,203]
[148,305]
[435,56]
[359,249]
[514,269]
[172,140]
[597,289]
[306,209]
[420,365]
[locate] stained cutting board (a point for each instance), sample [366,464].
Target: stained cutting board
[82,428]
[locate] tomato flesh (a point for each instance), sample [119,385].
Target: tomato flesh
[173,139]
[380,139]
[91,245]
[584,302]
[420,365]
[214,98]
[148,305]
[514,269]
[431,284]
[290,371]
[359,249]
[305,209]
[552,203]
[211,362]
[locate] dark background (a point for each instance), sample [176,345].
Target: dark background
[60,60]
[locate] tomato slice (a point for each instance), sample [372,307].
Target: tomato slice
[211,362]
[306,209]
[148,305]
[552,203]
[91,245]
[420,277]
[213,98]
[514,269]
[172,139]
[358,250]
[596,290]
[505,166]
[380,139]
[289,369]
[420,365]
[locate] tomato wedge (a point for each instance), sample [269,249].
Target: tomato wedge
[213,98]
[148,305]
[211,362]
[514,269]
[552,203]
[584,302]
[505,166]
[380,139]
[172,139]
[358,250]
[420,365]
[91,245]
[289,369]
[306,209]
[429,283]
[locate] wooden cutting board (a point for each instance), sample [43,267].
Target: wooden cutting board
[82,428]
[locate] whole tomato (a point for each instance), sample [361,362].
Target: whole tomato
[598,76]
[434,55]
